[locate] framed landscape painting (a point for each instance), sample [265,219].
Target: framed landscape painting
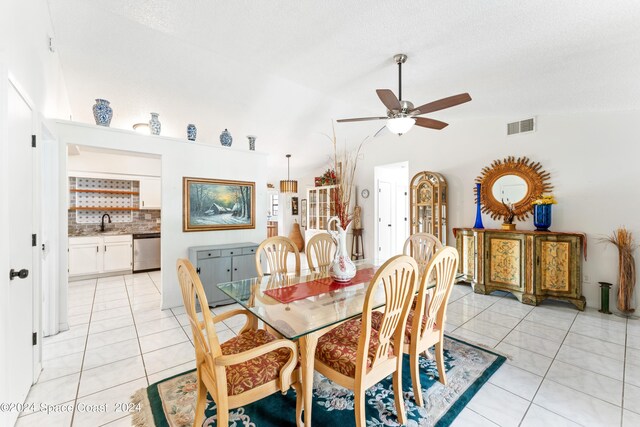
[216,204]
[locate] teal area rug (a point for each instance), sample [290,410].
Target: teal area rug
[171,402]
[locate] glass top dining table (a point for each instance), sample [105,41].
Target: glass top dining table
[308,313]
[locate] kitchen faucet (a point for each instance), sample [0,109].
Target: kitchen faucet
[102,223]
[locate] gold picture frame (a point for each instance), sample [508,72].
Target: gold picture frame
[217,204]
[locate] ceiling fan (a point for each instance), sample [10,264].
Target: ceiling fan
[402,115]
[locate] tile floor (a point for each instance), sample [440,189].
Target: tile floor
[564,368]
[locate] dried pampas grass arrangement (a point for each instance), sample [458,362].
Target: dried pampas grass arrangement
[623,240]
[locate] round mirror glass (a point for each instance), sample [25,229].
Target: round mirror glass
[509,188]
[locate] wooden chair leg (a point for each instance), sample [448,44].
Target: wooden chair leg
[223,412]
[299,404]
[440,362]
[415,379]
[397,393]
[201,404]
[359,406]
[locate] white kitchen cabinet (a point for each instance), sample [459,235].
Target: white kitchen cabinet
[150,193]
[83,255]
[118,253]
[100,254]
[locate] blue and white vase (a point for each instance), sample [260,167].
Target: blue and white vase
[191,132]
[225,138]
[154,124]
[102,113]
[252,142]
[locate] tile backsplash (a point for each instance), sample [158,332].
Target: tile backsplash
[83,223]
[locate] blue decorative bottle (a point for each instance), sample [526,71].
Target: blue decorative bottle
[478,223]
[102,112]
[542,217]
[225,138]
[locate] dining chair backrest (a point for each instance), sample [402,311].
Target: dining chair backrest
[205,339]
[323,247]
[276,251]
[443,267]
[398,276]
[422,247]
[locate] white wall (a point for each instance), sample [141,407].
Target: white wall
[25,27]
[592,159]
[181,159]
[116,163]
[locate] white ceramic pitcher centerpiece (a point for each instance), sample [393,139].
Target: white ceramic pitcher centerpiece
[342,269]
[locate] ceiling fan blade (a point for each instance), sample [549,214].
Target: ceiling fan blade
[361,119]
[441,104]
[430,123]
[389,99]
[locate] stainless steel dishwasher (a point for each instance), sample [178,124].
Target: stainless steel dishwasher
[146,252]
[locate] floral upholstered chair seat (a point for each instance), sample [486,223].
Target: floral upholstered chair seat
[376,321]
[338,348]
[257,371]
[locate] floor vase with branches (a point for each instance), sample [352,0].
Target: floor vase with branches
[623,240]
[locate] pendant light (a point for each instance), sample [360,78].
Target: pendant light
[288,185]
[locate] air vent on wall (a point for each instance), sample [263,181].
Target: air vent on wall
[527,125]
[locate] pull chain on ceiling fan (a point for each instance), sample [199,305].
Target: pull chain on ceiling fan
[401,115]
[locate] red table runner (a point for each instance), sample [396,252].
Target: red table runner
[312,288]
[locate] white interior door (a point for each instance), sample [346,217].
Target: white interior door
[385,221]
[49,240]
[18,346]
[401,223]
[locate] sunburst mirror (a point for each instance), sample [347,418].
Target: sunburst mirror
[514,181]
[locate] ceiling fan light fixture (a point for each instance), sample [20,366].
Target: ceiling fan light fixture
[400,125]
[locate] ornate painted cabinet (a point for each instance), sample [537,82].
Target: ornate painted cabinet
[532,265]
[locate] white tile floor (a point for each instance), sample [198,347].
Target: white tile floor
[565,367]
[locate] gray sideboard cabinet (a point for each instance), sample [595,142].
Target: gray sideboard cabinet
[223,263]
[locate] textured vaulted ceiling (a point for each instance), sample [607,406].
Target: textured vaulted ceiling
[283,69]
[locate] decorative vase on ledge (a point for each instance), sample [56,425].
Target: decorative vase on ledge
[342,269]
[542,217]
[252,142]
[192,131]
[478,223]
[154,124]
[102,112]
[225,138]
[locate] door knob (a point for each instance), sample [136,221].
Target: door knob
[22,274]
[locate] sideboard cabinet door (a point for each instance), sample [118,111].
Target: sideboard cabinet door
[558,268]
[504,262]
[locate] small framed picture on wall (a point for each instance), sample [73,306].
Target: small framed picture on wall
[303,213]
[294,206]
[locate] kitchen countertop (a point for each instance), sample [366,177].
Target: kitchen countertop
[97,232]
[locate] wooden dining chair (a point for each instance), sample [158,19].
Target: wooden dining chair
[425,323]
[422,247]
[324,247]
[356,356]
[243,369]
[276,250]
